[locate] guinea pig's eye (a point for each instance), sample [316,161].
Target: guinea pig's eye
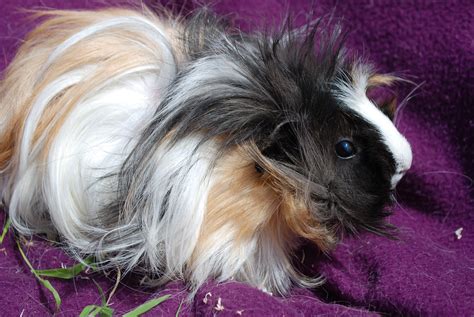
[259,169]
[345,149]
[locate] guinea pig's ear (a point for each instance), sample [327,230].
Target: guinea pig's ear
[380,92]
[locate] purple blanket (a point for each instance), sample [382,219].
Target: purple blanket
[428,271]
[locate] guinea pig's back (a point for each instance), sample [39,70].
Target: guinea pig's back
[72,103]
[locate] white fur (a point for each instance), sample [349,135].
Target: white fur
[210,69]
[26,181]
[182,172]
[94,140]
[38,107]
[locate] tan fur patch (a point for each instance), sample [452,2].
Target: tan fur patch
[388,104]
[381,80]
[240,196]
[253,203]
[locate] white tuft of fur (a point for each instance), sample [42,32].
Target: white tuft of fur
[181,177]
[212,69]
[93,141]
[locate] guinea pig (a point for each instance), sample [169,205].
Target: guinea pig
[186,149]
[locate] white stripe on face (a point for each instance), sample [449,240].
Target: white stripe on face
[354,96]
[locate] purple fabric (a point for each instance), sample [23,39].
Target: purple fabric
[428,271]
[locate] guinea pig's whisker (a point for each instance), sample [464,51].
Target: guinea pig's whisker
[404,103]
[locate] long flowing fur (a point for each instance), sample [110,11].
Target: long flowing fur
[184,150]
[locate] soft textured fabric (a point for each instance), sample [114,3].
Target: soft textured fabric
[428,271]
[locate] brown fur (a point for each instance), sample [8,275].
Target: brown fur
[377,80]
[254,203]
[388,104]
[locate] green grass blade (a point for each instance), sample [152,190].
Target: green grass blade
[44,282]
[106,311]
[6,227]
[65,273]
[53,291]
[94,310]
[143,308]
[87,311]
[101,293]
[91,311]
[179,308]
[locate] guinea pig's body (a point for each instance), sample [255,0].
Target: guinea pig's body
[183,151]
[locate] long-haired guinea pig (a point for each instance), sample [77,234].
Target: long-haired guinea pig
[184,149]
